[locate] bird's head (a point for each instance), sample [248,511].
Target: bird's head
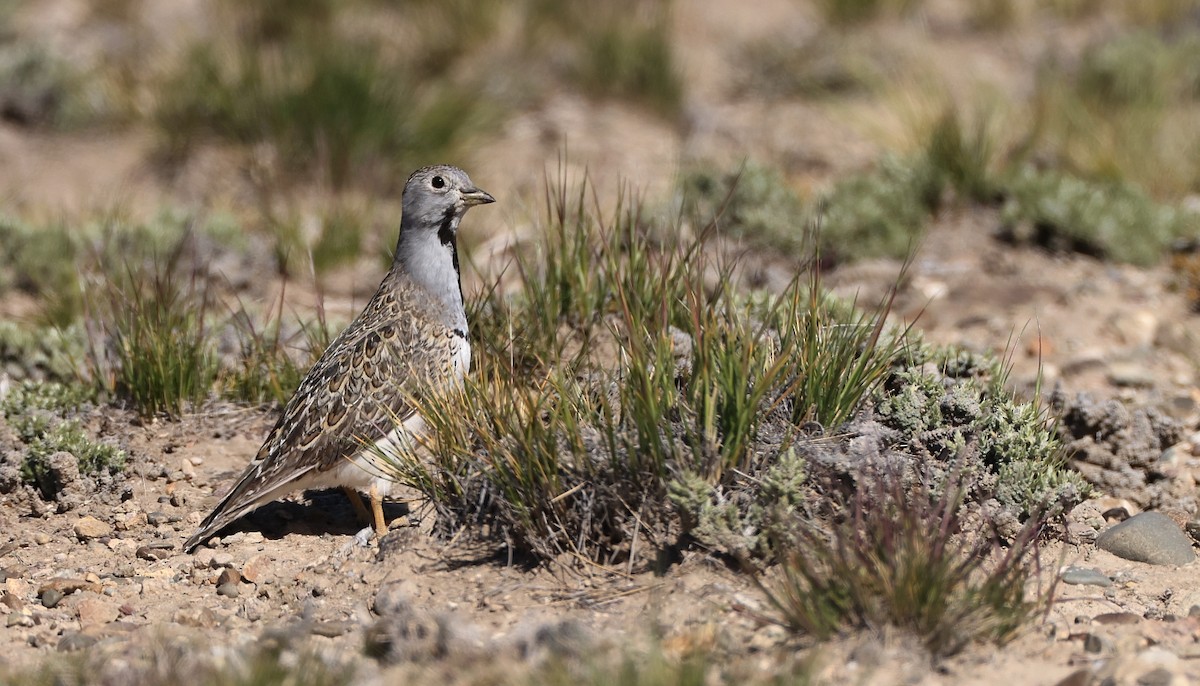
[437,197]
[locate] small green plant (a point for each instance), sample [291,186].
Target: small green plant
[825,65]
[41,353]
[39,412]
[166,662]
[1112,220]
[41,261]
[754,202]
[879,213]
[162,354]
[1124,114]
[621,49]
[633,59]
[902,557]
[341,239]
[40,88]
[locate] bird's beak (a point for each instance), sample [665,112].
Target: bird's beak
[476,196]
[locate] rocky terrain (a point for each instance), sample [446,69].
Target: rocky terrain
[94,579]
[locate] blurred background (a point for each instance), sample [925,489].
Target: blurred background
[287,127]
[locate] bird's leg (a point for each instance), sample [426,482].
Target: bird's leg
[381,527]
[360,509]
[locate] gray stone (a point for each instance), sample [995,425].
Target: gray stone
[1084,576]
[1149,537]
[72,641]
[51,598]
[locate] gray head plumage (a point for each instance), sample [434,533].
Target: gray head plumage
[437,197]
[435,200]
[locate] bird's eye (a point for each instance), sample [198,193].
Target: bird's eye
[438,182]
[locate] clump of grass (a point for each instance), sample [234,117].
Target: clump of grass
[1111,220]
[161,356]
[621,49]
[41,261]
[633,59]
[664,377]
[345,110]
[904,556]
[1124,114]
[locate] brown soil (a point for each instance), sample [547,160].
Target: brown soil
[1081,324]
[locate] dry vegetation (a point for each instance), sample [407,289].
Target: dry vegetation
[635,395]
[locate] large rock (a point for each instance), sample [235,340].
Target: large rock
[1150,537]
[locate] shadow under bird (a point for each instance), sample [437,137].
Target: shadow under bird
[412,335]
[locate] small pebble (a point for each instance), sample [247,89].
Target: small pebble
[89,527]
[155,518]
[147,552]
[1084,576]
[19,619]
[42,538]
[51,598]
[1117,618]
[331,629]
[229,576]
[228,590]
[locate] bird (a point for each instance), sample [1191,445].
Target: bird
[359,396]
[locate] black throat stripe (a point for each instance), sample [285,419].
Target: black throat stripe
[448,238]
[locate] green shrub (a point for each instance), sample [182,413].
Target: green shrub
[881,213]
[39,412]
[755,203]
[1111,220]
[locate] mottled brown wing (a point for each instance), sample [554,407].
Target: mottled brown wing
[356,393]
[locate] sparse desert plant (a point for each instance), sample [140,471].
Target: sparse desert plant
[41,353]
[40,414]
[621,49]
[162,356]
[1125,114]
[882,212]
[345,110]
[1111,220]
[41,260]
[576,452]
[825,65]
[904,557]
[754,202]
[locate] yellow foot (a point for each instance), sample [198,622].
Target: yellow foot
[381,526]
